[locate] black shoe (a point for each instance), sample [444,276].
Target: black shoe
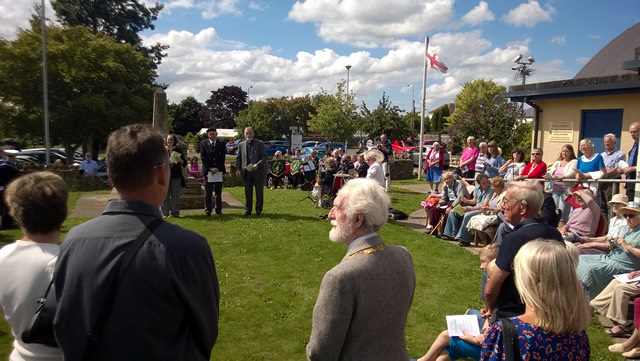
[258,214]
[218,212]
[246,214]
[207,214]
[464,243]
[445,237]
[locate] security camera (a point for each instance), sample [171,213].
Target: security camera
[531,59]
[517,58]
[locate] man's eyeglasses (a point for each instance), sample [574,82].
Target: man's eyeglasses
[630,215]
[160,165]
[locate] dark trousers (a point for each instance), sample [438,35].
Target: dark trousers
[469,174]
[253,180]
[209,188]
[631,191]
[605,192]
[298,179]
[7,220]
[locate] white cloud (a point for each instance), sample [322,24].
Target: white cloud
[478,14]
[209,9]
[595,37]
[14,14]
[582,60]
[199,63]
[374,22]
[257,5]
[559,40]
[529,14]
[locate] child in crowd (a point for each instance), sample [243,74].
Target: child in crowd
[446,348]
[194,169]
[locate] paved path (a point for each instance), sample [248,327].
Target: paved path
[92,205]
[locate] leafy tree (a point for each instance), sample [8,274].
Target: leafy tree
[414,118]
[222,108]
[95,85]
[444,115]
[491,119]
[385,119]
[273,117]
[120,19]
[436,120]
[336,115]
[183,116]
[472,94]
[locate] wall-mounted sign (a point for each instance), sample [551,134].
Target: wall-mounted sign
[561,132]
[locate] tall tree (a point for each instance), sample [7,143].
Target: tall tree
[224,105]
[184,117]
[385,119]
[273,117]
[336,115]
[120,19]
[436,120]
[492,118]
[95,85]
[472,94]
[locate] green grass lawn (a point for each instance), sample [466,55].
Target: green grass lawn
[270,269]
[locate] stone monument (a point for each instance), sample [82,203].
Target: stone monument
[160,111]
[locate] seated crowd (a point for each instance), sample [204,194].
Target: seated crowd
[599,226]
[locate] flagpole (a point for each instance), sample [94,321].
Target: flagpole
[424,95]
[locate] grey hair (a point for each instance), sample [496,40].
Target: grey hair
[473,139]
[529,191]
[366,197]
[612,136]
[588,142]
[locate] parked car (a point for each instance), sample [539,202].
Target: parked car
[276,145]
[307,150]
[431,141]
[334,145]
[308,143]
[425,150]
[41,156]
[232,147]
[401,147]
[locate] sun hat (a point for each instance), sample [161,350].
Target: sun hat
[619,198]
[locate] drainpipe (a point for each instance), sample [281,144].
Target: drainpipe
[536,121]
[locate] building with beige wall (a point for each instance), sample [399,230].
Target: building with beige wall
[603,97]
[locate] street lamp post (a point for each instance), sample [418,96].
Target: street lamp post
[413,101]
[348,68]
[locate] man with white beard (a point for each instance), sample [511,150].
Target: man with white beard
[362,306]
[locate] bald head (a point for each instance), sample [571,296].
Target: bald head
[634,130]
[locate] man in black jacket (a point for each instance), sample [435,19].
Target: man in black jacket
[213,153]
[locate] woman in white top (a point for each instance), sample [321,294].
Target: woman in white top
[563,168]
[38,203]
[514,166]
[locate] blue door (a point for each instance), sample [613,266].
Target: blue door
[597,123]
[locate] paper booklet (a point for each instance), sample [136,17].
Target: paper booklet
[214,178]
[174,157]
[459,210]
[624,278]
[458,323]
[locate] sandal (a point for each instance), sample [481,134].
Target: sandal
[620,332]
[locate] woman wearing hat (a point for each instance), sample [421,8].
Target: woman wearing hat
[596,271]
[602,245]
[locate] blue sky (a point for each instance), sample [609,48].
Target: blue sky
[287,48]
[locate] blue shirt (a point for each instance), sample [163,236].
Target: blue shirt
[590,165]
[496,162]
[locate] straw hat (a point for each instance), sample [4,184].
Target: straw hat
[619,198]
[378,154]
[632,206]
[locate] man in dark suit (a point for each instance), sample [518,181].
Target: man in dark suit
[213,153]
[634,130]
[362,306]
[251,163]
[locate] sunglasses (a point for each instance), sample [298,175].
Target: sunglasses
[630,215]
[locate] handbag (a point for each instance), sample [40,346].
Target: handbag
[510,340]
[40,328]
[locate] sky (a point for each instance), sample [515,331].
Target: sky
[286,48]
